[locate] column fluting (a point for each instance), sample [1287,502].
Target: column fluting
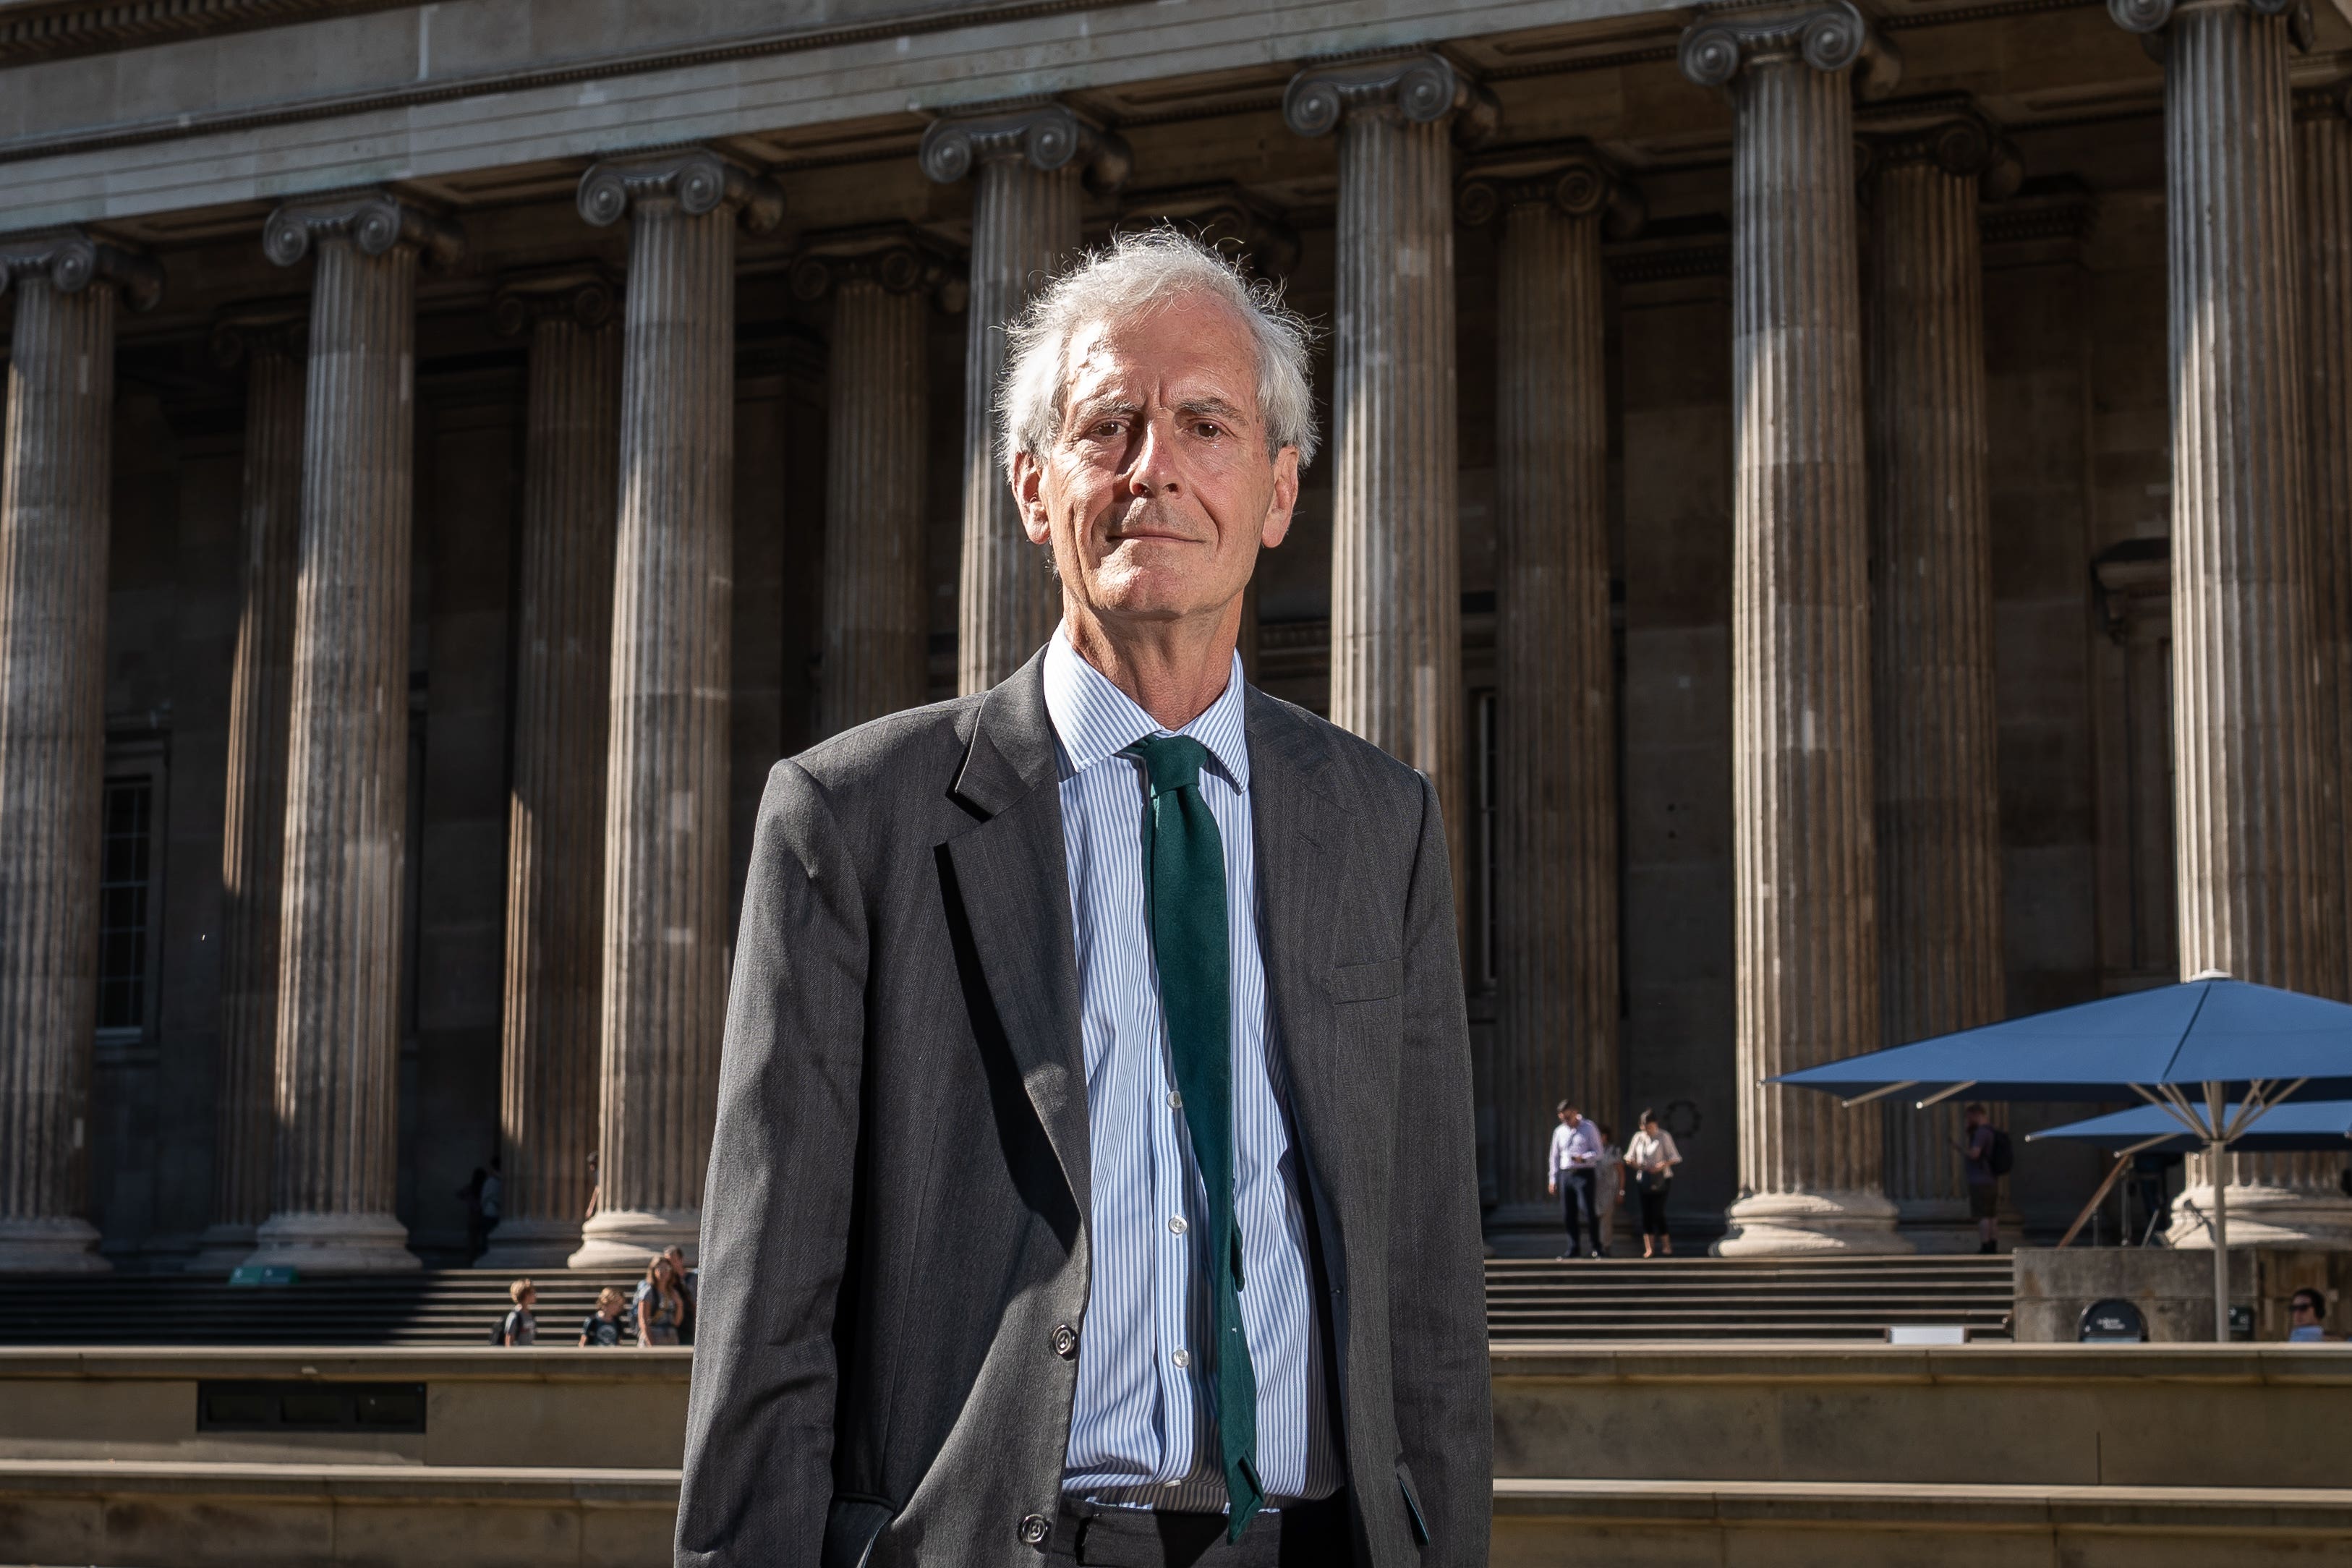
[663,998]
[253,841]
[347,765]
[1027,166]
[2253,901]
[1396,567]
[1555,903]
[549,1084]
[2324,164]
[1805,870]
[876,592]
[1938,775]
[55,494]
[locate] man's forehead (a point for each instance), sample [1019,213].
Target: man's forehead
[1172,355]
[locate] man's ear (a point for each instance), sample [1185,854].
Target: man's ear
[1286,499]
[1028,494]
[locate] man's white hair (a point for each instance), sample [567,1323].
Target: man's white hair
[1133,274]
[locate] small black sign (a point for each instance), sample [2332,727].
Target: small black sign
[305,1405]
[2113,1321]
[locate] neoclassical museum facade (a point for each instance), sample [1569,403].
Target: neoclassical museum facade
[1853,508]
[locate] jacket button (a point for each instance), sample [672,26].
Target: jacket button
[1065,1340]
[1034,1529]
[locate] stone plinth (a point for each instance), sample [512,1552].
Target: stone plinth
[270,347]
[550,1082]
[664,999]
[1804,866]
[337,1106]
[56,485]
[1027,165]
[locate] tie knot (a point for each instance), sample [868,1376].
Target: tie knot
[1172,761]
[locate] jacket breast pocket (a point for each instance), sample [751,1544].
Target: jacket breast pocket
[1371,982]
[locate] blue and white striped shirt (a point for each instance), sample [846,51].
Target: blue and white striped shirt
[1141,1428]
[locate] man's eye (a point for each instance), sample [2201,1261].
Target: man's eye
[1208,431]
[1105,428]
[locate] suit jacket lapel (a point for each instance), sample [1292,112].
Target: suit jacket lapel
[1289,797]
[1012,876]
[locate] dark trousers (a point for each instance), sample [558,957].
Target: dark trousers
[1579,1207]
[1302,1535]
[1653,1209]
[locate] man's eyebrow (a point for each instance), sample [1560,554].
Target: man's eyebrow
[1095,407]
[1209,405]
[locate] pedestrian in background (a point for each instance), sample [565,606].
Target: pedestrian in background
[1652,1158]
[1987,1152]
[2306,1315]
[1611,1178]
[661,1304]
[603,1326]
[1575,1166]
[520,1328]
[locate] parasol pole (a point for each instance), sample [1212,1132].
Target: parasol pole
[2217,1152]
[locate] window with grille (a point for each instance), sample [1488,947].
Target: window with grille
[125,903]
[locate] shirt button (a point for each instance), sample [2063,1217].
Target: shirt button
[1034,1527]
[1065,1340]
[1175,1099]
[1176,1225]
[1181,1358]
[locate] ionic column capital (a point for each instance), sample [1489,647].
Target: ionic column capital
[1831,37]
[1420,89]
[1573,180]
[375,222]
[1959,141]
[71,260]
[900,261]
[2151,18]
[1225,217]
[697,179]
[586,294]
[1047,136]
[247,332]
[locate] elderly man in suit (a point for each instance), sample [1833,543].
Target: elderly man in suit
[1093,1180]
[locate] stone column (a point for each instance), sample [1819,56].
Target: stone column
[1396,569]
[2255,902]
[1804,871]
[347,767]
[548,1084]
[876,592]
[2324,163]
[665,821]
[1938,784]
[1555,679]
[269,344]
[1028,164]
[55,490]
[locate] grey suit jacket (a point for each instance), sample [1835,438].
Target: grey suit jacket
[896,1220]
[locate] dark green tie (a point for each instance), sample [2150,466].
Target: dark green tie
[1185,901]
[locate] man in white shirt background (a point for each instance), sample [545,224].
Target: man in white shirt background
[1575,1168]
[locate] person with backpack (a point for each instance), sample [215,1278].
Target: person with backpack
[520,1327]
[1988,1160]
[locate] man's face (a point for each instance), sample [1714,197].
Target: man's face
[1158,491]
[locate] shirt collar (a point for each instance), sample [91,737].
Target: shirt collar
[1094,720]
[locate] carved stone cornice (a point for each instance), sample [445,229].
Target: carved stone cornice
[587,294]
[1422,89]
[373,221]
[71,260]
[2149,18]
[1225,218]
[1830,37]
[698,179]
[1960,142]
[900,260]
[245,332]
[1574,179]
[2329,102]
[1047,136]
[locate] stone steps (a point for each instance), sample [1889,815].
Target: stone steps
[1700,1299]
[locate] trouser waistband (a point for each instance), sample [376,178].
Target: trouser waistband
[1298,1535]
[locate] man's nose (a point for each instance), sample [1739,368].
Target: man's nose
[1153,469]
